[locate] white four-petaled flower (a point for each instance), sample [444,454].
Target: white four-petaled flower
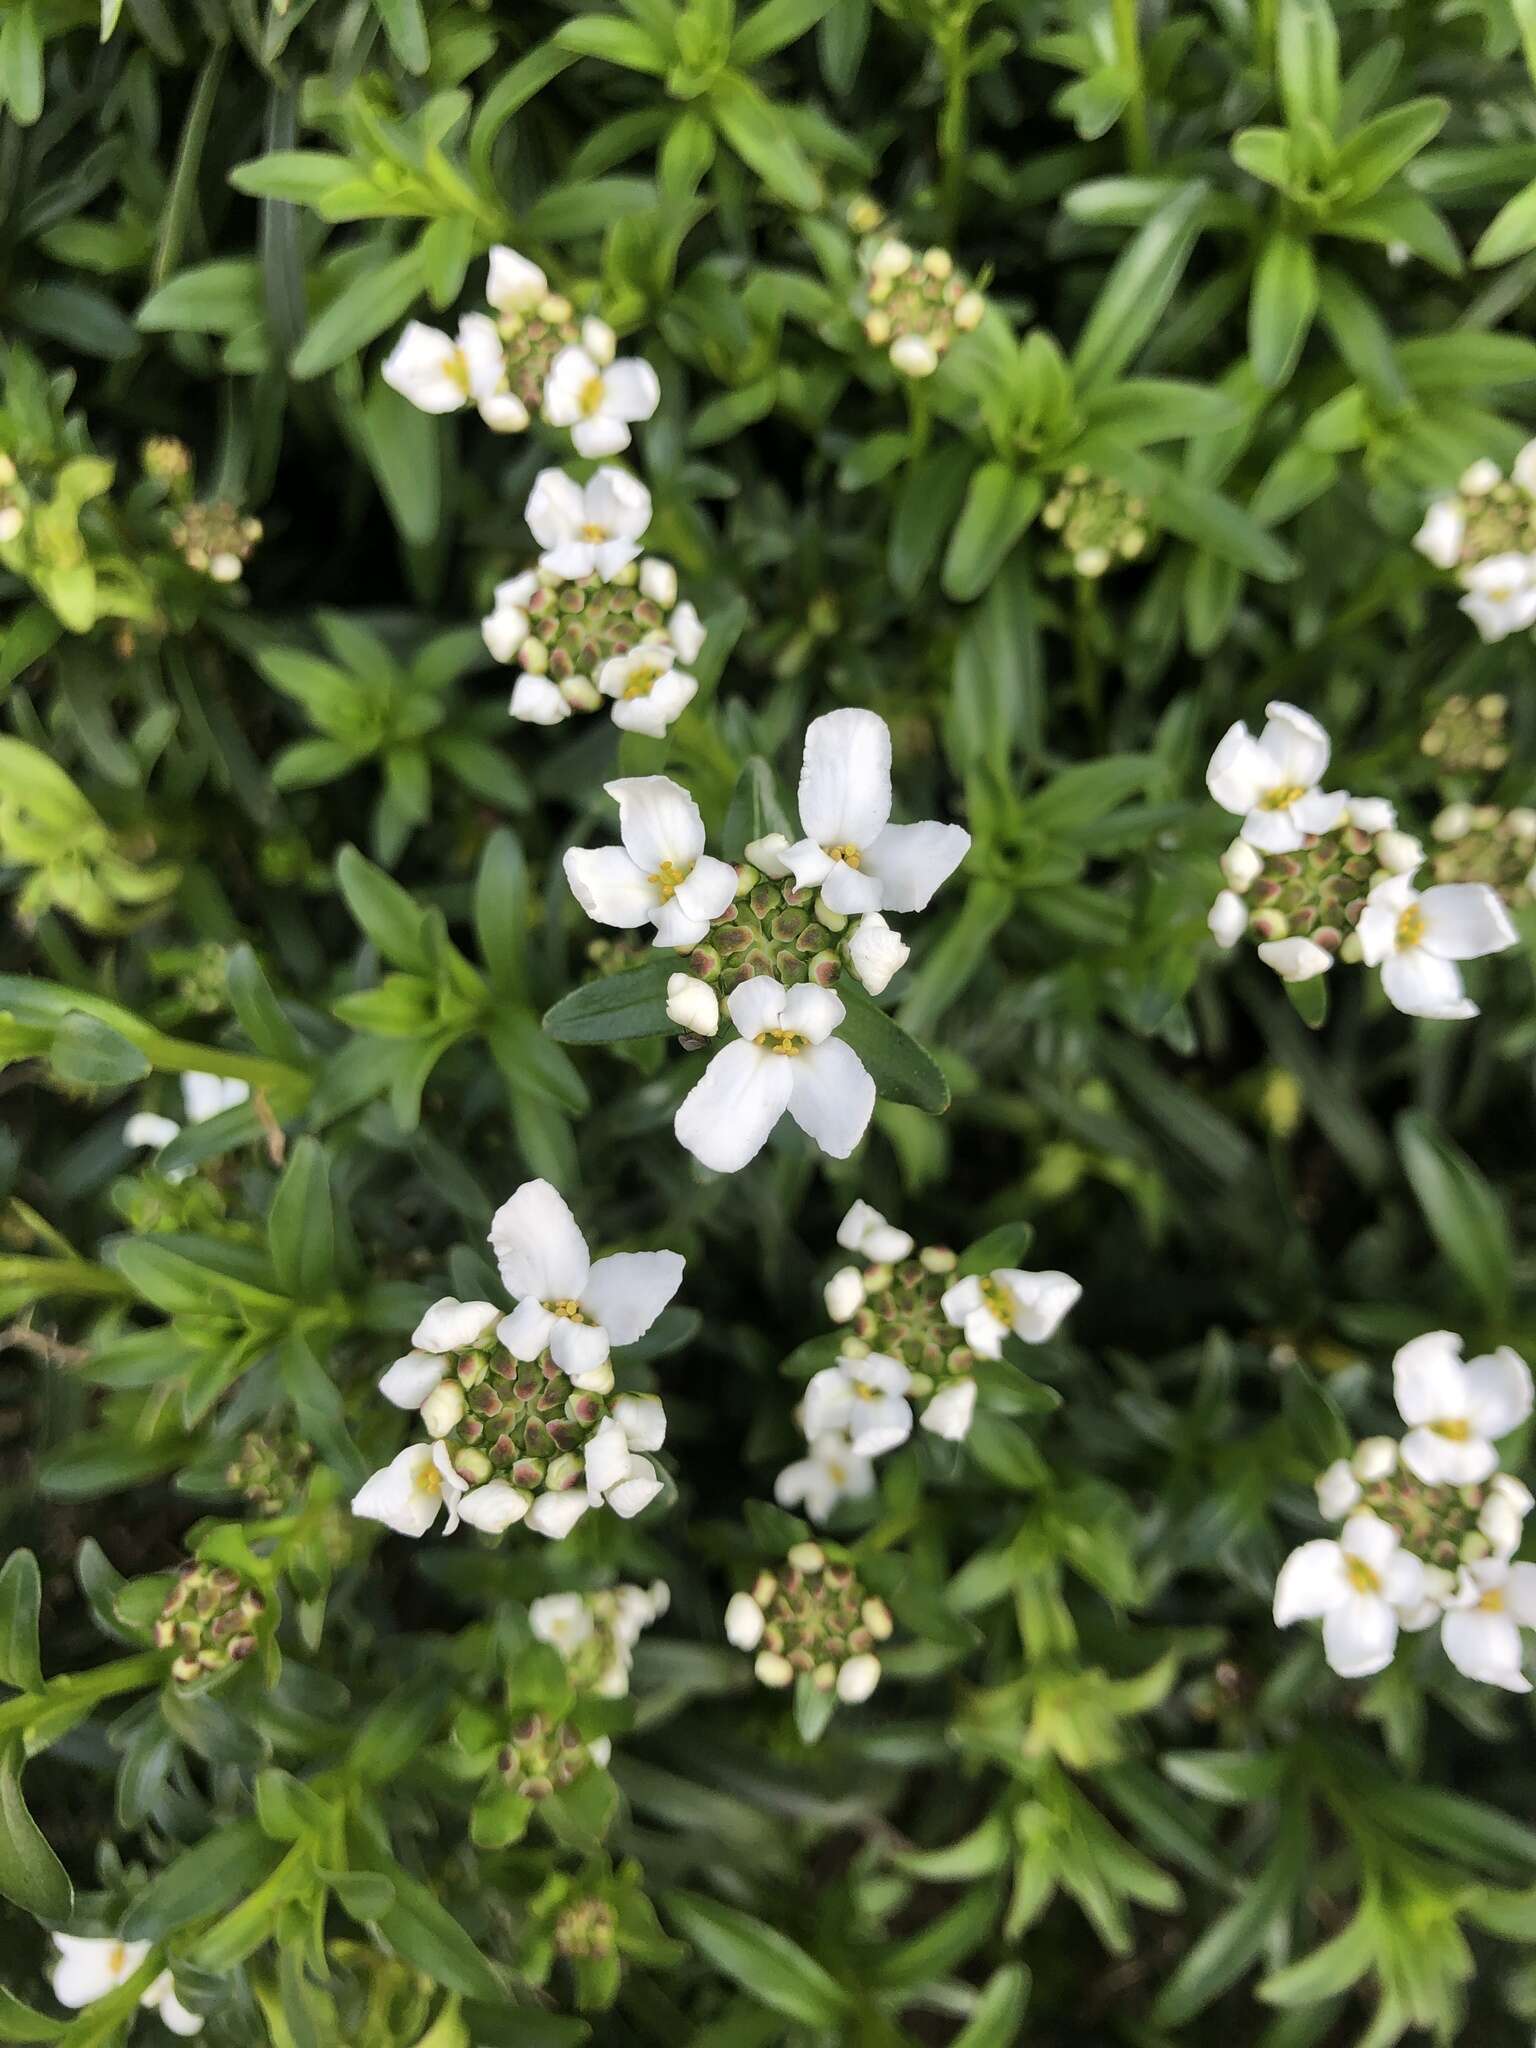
[1272,782]
[441,373]
[1500,594]
[1493,1601]
[831,1471]
[597,398]
[851,851]
[1358,1587]
[589,529]
[1456,1409]
[786,1059]
[864,1229]
[648,688]
[864,1399]
[88,1967]
[661,874]
[615,1475]
[990,1307]
[447,1328]
[1417,939]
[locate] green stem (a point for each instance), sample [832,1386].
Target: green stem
[47,1278]
[954,124]
[181,1056]
[76,1692]
[1085,654]
[1128,53]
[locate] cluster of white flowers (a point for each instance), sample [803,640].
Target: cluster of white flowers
[595,622]
[1431,1525]
[913,1334]
[89,1967]
[786,1057]
[813,1619]
[596,1633]
[1484,533]
[914,305]
[522,1421]
[527,356]
[1318,875]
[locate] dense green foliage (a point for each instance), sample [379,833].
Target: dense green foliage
[1257,280]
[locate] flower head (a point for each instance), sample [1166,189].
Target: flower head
[589,529]
[88,1967]
[865,1230]
[991,1307]
[1357,1587]
[597,398]
[831,1472]
[411,1491]
[1480,1633]
[661,874]
[1271,782]
[785,1060]
[568,1304]
[851,851]
[441,373]
[1417,939]
[1500,594]
[1457,1409]
[863,1399]
[648,688]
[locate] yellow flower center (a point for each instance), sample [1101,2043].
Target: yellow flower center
[1492,1601]
[568,1311]
[1282,798]
[838,1474]
[848,855]
[1454,1431]
[781,1041]
[457,370]
[644,679]
[429,1479]
[117,1958]
[591,400]
[668,879]
[1410,928]
[592,531]
[1360,1575]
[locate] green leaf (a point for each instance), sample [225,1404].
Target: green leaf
[426,1934]
[88,1467]
[359,312]
[773,27]
[1000,503]
[1307,49]
[1281,308]
[260,1014]
[301,1228]
[632,1004]
[1136,292]
[406,27]
[1205,517]
[760,1959]
[389,917]
[931,493]
[998,2018]
[1379,150]
[404,449]
[900,1068]
[1511,232]
[31,1876]
[222,297]
[209,1878]
[19,2022]
[1466,1217]
[756,131]
[90,1054]
[21,1596]
[300,176]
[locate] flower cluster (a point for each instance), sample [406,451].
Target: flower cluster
[1484,533]
[93,1966]
[1431,1525]
[1468,736]
[593,621]
[209,1620]
[1321,875]
[542,1755]
[215,538]
[811,1618]
[521,1416]
[269,1471]
[763,932]
[1100,523]
[912,305]
[1481,843]
[596,1633]
[530,357]
[913,1333]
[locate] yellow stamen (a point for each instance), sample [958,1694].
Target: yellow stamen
[568,1311]
[781,1041]
[429,1479]
[117,1957]
[848,855]
[1360,1575]
[1492,1601]
[1281,799]
[668,879]
[592,531]
[1453,1431]
[643,681]
[1410,928]
[456,369]
[591,399]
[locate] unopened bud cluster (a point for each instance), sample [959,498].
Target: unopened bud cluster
[209,1619]
[166,460]
[1100,523]
[1481,843]
[586,1930]
[499,1418]
[811,1617]
[543,1755]
[269,1471]
[1444,1525]
[771,928]
[1467,735]
[215,539]
[569,629]
[1319,891]
[914,305]
[596,1632]
[1484,533]
[531,337]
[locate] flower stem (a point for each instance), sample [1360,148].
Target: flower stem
[1128,51]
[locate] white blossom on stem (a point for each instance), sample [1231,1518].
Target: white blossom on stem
[1356,1587]
[411,1491]
[1272,782]
[442,373]
[660,875]
[447,1328]
[1494,1599]
[864,1399]
[589,529]
[1500,594]
[1457,1409]
[993,1306]
[648,688]
[1418,939]
[865,1230]
[831,1472]
[598,398]
[89,1967]
[950,1412]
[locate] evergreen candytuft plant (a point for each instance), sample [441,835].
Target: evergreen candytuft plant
[768,820]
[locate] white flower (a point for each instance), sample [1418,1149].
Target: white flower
[658,582]
[1480,477]
[648,689]
[1355,1587]
[913,355]
[864,1399]
[441,373]
[786,1059]
[88,1967]
[1501,594]
[844,1294]
[1271,782]
[1416,940]
[1455,1409]
[598,401]
[857,1679]
[1439,539]
[851,852]
[591,529]
[876,951]
[1399,852]
[568,1304]
[744,1622]
[767,855]
[951,1410]
[831,1472]
[1241,865]
[1295,959]
[613,1474]
[145,1128]
[514,283]
[865,1230]
[161,1997]
[1493,1601]
[451,1325]
[693,1005]
[208,1095]
[661,874]
[563,1620]
[1502,1520]
[1227,919]
[1338,1491]
[411,1490]
[1370,813]
[685,631]
[1029,1306]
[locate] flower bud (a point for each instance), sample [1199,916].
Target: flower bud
[913,355]
[1338,1490]
[443,1408]
[658,581]
[1479,478]
[1375,1458]
[1399,852]
[891,259]
[876,951]
[1295,959]
[1453,823]
[844,1294]
[1242,865]
[970,312]
[806,1557]
[774,1670]
[858,1678]
[1228,918]
[938,263]
[767,855]
[693,1005]
[743,1622]
[599,341]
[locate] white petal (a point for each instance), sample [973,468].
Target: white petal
[504,631]
[675,928]
[962,1299]
[632,1496]
[1312,1582]
[538,1248]
[1520,1594]
[911,861]
[744,1622]
[480,348]
[658,822]
[1485,1646]
[832,1096]
[875,1427]
[1439,1461]
[1294,959]
[756,1005]
[145,1128]
[865,1230]
[565,386]
[950,1411]
[709,890]
[572,559]
[555,510]
[1273,831]
[577,1348]
[876,952]
[829,1399]
[725,1118]
[658,581]
[527,1331]
[1296,743]
[450,1325]
[563,1619]
[1360,1636]
[1227,918]
[209,1095]
[643,1420]
[845,778]
[620,504]
[400,1495]
[493,1507]
[1320,810]
[1240,771]
[1429,1379]
[514,284]
[1369,1538]
[1421,985]
[1403,1582]
[420,368]
[556,1514]
[1439,539]
[848,890]
[813,1011]
[686,632]
[1371,814]
[173,2014]
[1040,1301]
[806,861]
[536,701]
[610,888]
[1338,1490]
[88,1968]
[606,1458]
[631,389]
[1498,1392]
[411,1378]
[598,436]
[857,1679]
[627,1291]
[1465,921]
